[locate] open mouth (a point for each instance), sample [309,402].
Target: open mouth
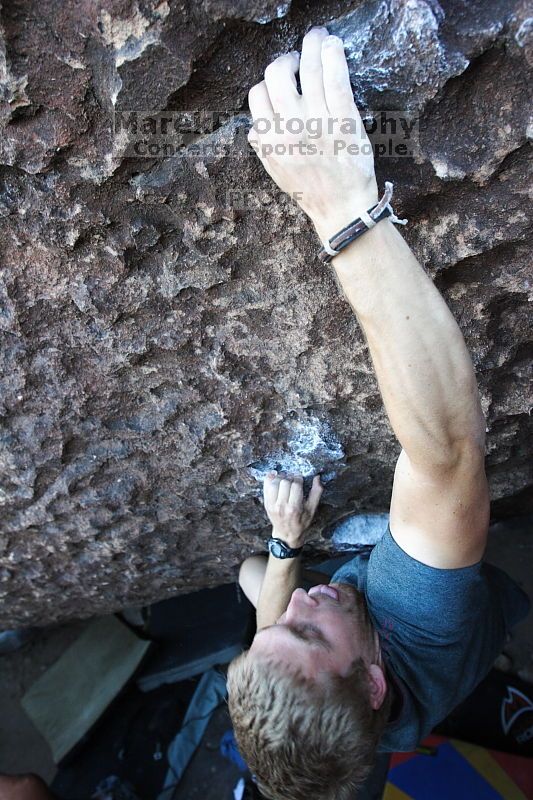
[322,588]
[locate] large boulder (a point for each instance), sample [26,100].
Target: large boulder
[167,338]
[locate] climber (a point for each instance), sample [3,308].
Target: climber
[372,660]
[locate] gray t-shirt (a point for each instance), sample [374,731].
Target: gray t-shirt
[440,631]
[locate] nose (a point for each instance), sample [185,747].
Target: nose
[299,601]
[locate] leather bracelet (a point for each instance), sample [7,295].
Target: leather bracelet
[367,220]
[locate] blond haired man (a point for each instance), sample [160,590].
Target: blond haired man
[374,659]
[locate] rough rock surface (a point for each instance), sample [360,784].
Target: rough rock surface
[164,343]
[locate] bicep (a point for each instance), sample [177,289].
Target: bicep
[440,516]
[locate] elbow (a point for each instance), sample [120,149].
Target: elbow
[447,451]
[472,445]
[467,452]
[468,446]
[455,455]
[471,449]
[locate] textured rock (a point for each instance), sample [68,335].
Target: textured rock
[258,11]
[163,344]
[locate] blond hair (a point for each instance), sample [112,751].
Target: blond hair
[302,738]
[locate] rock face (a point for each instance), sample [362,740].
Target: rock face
[165,340]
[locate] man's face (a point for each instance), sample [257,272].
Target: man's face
[323,630]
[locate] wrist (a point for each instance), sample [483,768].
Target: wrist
[290,539]
[339,215]
[369,249]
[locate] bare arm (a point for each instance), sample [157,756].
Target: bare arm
[282,577]
[439,508]
[290,516]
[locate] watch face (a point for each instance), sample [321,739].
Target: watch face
[277,550]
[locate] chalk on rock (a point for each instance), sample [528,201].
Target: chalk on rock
[358,529]
[312,446]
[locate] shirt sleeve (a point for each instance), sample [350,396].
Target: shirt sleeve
[402,590]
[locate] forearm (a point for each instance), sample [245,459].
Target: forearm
[282,577]
[423,368]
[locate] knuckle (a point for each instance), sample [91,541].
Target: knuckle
[255,90]
[270,70]
[253,137]
[281,59]
[285,58]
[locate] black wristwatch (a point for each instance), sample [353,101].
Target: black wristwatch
[280,549]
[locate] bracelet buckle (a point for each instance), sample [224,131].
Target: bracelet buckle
[359,226]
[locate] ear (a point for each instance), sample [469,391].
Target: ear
[378,686]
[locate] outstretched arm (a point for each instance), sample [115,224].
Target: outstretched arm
[439,507]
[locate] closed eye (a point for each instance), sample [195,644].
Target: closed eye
[310,633]
[306,633]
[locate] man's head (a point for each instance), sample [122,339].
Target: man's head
[309,699]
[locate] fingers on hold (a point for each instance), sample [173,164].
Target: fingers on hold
[286,59]
[278,70]
[280,79]
[284,490]
[270,487]
[334,60]
[317,30]
[311,79]
[259,101]
[295,477]
[337,86]
[334,64]
[312,41]
[315,494]
[296,495]
[255,93]
[332,41]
